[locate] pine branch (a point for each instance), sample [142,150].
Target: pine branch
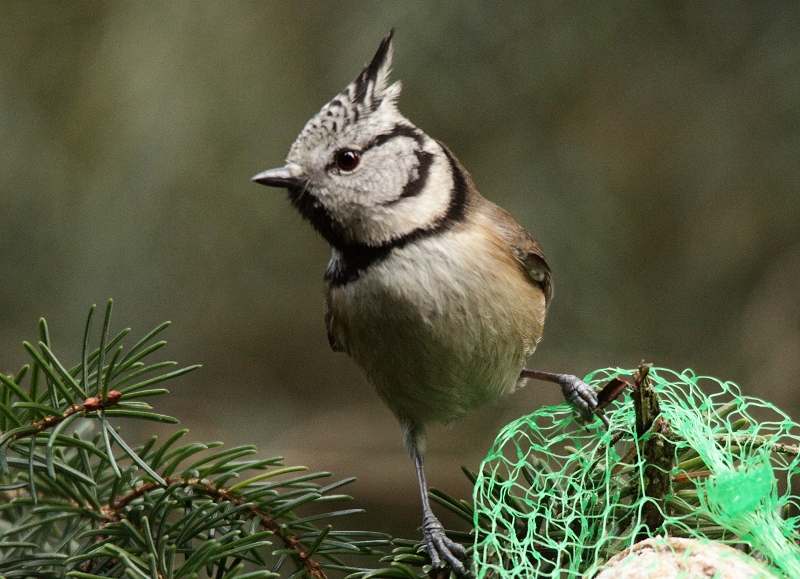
[112,513]
[80,501]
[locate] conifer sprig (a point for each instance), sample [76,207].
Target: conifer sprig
[78,500]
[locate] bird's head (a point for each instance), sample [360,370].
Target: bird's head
[361,172]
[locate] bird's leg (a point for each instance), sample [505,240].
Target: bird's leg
[575,390]
[439,545]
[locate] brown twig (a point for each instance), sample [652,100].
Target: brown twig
[657,450]
[89,405]
[778,447]
[755,441]
[685,477]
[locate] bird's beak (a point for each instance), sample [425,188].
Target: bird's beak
[280,177]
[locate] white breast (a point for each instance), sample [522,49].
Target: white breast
[442,325]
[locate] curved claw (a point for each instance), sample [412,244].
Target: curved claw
[583,396]
[440,546]
[579,393]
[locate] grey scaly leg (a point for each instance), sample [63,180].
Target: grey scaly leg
[439,545]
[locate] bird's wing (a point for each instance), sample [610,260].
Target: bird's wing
[525,248]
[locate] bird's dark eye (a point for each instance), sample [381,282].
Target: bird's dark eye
[347,160]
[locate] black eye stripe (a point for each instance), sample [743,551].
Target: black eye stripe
[416,185]
[399,131]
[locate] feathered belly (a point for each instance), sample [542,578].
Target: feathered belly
[436,346]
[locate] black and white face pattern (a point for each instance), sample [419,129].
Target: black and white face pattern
[363,174]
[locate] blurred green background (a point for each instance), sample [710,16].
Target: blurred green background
[653,148]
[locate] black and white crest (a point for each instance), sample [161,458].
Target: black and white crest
[359,99]
[371,82]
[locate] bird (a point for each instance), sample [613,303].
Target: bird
[438,294]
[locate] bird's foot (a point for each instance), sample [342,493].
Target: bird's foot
[441,547]
[583,396]
[575,391]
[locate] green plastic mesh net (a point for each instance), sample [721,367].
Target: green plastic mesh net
[557,499]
